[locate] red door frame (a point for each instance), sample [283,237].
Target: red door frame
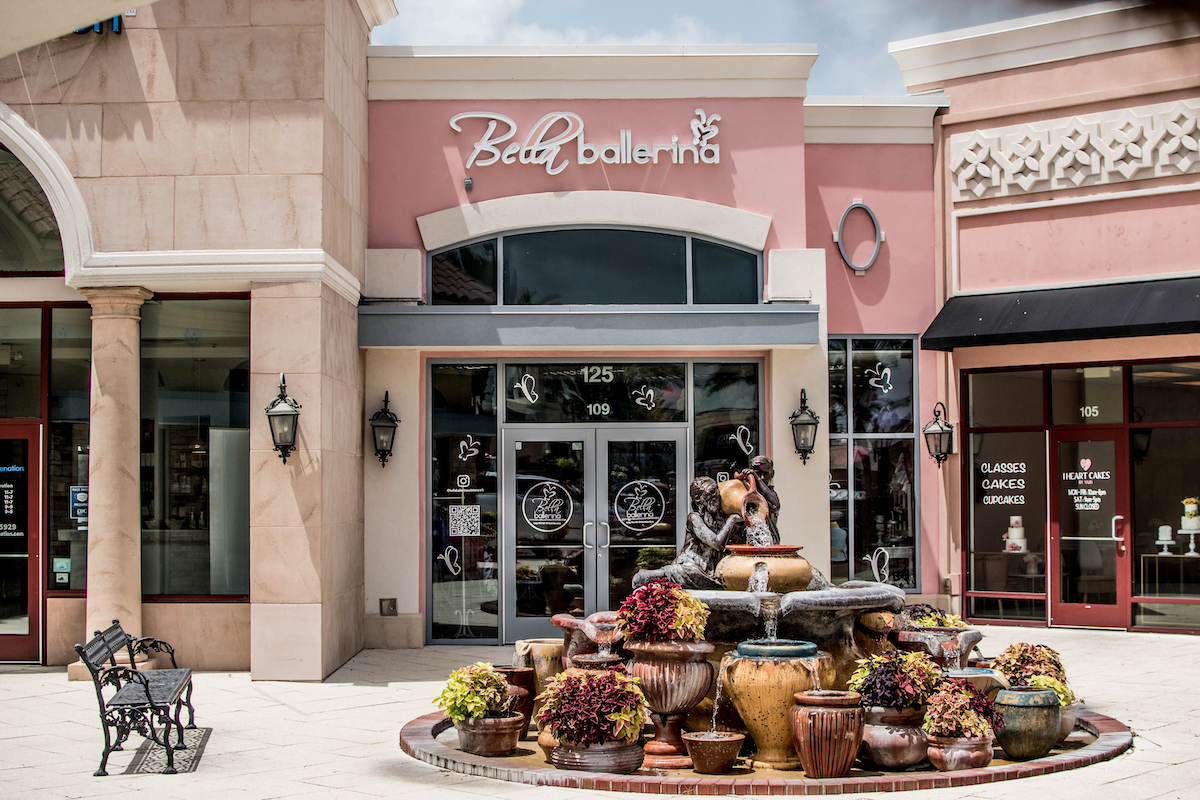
[1118,614]
[28,647]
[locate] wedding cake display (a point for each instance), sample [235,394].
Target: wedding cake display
[1191,515]
[1015,537]
[1165,539]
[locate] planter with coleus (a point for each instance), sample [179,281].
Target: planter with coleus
[944,636]
[663,627]
[894,688]
[478,701]
[960,722]
[1021,661]
[597,717]
[1068,703]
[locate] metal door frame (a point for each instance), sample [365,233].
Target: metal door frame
[30,648]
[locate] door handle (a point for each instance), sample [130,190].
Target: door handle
[1119,539]
[607,535]
[587,546]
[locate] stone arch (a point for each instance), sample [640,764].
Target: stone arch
[552,209]
[70,210]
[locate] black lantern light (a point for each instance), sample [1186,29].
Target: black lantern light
[804,428]
[282,414]
[939,435]
[383,428]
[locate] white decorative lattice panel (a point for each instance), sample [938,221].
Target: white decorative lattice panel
[1109,147]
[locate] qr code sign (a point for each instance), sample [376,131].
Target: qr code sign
[464,520]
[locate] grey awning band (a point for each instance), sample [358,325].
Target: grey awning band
[586,326]
[1144,308]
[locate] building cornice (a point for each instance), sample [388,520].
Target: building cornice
[1040,39]
[572,73]
[377,12]
[871,120]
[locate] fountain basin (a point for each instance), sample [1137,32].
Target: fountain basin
[774,648]
[949,647]
[785,570]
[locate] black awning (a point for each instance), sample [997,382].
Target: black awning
[1145,308]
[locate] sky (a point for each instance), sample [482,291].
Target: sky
[851,35]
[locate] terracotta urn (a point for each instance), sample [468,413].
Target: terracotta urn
[827,730]
[762,689]
[786,570]
[619,758]
[544,656]
[1031,721]
[892,737]
[490,736]
[521,682]
[675,676]
[547,741]
[950,754]
[1066,721]
[714,752]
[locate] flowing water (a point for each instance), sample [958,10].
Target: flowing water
[712,728]
[758,578]
[769,612]
[758,533]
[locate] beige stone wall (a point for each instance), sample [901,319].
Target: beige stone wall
[211,125]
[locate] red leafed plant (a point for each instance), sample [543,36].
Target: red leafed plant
[662,612]
[585,707]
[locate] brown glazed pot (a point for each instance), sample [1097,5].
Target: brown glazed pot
[1031,721]
[523,681]
[619,758]
[544,657]
[490,736]
[892,737]
[547,741]
[674,677]
[950,754]
[827,729]
[714,752]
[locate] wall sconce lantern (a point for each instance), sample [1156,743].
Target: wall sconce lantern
[282,414]
[383,428]
[939,435]
[804,428]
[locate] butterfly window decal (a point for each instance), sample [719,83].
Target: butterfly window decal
[881,377]
[644,397]
[468,448]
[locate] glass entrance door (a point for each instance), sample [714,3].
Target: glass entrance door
[1089,529]
[20,529]
[583,510]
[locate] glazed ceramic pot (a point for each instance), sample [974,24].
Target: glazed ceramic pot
[544,656]
[1066,721]
[827,729]
[762,690]
[714,752]
[1031,720]
[490,736]
[674,677]
[547,741]
[892,737]
[521,683]
[619,758]
[949,754]
[787,571]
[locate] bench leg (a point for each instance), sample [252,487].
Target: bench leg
[103,772]
[191,711]
[165,714]
[179,726]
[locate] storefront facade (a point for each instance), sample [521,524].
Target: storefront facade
[1067,214]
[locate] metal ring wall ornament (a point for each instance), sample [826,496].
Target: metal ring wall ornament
[878,237]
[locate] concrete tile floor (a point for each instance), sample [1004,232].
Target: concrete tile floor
[338,739]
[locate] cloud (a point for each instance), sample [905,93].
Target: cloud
[498,22]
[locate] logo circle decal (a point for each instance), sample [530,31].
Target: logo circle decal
[547,507]
[640,505]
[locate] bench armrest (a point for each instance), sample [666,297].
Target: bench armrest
[119,676]
[147,643]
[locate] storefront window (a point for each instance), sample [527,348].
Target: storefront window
[1086,396]
[1010,399]
[1165,392]
[872,491]
[70,390]
[465,544]
[727,418]
[595,392]
[20,363]
[722,274]
[465,276]
[1162,479]
[195,447]
[29,238]
[1008,515]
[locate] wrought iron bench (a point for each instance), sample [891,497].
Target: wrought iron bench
[141,698]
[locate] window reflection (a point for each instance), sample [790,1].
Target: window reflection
[884,512]
[883,380]
[1166,392]
[727,417]
[466,275]
[1008,485]
[1086,396]
[20,363]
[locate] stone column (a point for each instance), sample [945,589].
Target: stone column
[114,549]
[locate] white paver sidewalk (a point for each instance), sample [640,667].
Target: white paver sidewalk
[339,738]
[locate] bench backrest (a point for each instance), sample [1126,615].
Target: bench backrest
[102,650]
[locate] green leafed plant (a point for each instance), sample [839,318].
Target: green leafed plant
[924,615]
[896,679]
[1065,696]
[951,714]
[474,692]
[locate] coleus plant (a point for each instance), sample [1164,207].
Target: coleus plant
[896,679]
[924,615]
[1021,661]
[1065,696]
[958,710]
[475,692]
[584,707]
[662,612]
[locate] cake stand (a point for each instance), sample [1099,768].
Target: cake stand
[1192,543]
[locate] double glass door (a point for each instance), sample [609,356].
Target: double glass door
[1089,528]
[20,528]
[582,510]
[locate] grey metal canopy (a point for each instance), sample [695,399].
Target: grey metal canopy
[1143,308]
[583,326]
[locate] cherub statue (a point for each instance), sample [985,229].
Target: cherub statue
[703,544]
[763,470]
